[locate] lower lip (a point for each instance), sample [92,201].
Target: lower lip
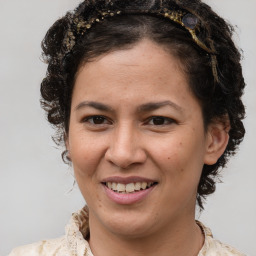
[129,198]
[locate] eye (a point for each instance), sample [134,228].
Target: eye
[160,120]
[96,120]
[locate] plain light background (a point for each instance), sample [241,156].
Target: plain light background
[34,183]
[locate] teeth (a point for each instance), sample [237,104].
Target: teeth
[114,185]
[137,186]
[144,185]
[109,185]
[120,187]
[128,188]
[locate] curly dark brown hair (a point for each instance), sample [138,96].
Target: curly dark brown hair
[219,99]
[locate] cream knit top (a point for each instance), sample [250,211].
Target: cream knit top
[74,243]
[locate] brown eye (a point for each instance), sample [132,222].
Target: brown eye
[160,120]
[96,120]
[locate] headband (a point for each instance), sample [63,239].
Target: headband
[190,22]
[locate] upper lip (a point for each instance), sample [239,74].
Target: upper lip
[127,180]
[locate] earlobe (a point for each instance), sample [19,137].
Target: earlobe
[217,141]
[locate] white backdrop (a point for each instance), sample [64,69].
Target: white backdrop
[34,203]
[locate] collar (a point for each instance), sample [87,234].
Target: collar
[77,234]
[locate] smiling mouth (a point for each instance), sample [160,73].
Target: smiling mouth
[130,187]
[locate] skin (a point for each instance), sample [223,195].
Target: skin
[129,142]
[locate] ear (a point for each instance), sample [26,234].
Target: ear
[68,155]
[217,141]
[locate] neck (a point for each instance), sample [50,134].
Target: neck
[169,241]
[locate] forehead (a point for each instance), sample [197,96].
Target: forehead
[143,72]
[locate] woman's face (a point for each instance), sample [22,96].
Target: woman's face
[136,140]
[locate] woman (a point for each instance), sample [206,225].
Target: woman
[146,96]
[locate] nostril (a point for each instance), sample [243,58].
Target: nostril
[125,158]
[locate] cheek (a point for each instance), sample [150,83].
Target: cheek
[180,156]
[86,158]
[171,153]
[86,154]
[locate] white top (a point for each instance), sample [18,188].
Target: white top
[75,244]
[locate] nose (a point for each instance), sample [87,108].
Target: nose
[125,148]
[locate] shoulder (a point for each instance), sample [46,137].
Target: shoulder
[213,247]
[72,243]
[217,248]
[42,248]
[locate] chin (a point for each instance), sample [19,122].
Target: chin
[130,223]
[131,230]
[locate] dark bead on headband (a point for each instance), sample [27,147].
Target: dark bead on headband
[190,21]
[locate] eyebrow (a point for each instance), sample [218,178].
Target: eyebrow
[156,105]
[95,105]
[147,107]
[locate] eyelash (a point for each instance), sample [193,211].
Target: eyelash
[166,120]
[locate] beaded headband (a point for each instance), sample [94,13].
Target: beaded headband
[187,20]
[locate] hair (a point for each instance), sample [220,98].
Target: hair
[220,100]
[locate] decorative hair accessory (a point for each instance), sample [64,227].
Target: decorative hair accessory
[190,21]
[78,27]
